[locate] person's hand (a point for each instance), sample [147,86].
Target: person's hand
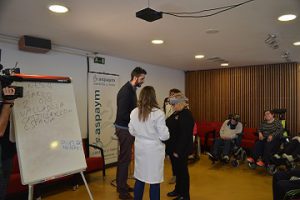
[270,138]
[7,91]
[227,138]
[223,137]
[260,136]
[175,155]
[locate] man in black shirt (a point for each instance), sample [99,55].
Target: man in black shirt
[126,102]
[8,148]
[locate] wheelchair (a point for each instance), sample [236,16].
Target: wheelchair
[278,160]
[272,167]
[236,156]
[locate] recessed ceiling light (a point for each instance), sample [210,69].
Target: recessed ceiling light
[224,64]
[288,17]
[212,31]
[199,56]
[58,9]
[157,41]
[296,43]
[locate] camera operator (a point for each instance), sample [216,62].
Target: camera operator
[8,148]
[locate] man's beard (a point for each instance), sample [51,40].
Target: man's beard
[138,84]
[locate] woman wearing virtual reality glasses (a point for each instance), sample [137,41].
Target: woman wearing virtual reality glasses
[180,124]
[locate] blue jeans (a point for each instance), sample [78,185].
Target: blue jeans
[139,190]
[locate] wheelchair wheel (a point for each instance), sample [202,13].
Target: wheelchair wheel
[252,165]
[243,155]
[235,163]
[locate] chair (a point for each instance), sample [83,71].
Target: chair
[95,163]
[249,137]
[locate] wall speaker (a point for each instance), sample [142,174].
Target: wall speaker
[34,44]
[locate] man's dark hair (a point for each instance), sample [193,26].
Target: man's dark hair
[137,72]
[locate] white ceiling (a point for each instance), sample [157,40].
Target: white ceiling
[111,28]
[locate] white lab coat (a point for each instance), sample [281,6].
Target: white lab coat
[149,148]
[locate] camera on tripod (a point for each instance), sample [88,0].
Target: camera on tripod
[6,79]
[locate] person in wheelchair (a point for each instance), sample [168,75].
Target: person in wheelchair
[229,135]
[289,154]
[269,134]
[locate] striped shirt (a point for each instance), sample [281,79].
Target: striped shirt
[274,128]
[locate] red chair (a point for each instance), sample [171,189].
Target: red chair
[94,163]
[249,138]
[206,132]
[15,185]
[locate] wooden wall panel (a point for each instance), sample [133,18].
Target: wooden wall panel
[245,90]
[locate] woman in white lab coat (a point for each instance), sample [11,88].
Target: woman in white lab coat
[147,124]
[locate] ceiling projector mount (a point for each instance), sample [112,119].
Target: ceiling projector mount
[151,15]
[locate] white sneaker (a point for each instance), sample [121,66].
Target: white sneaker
[294,178]
[288,157]
[226,158]
[277,156]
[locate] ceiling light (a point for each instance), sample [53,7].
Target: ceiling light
[199,56]
[285,18]
[212,31]
[58,9]
[225,64]
[157,41]
[296,43]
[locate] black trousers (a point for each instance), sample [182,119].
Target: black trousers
[125,141]
[182,186]
[265,149]
[283,184]
[6,169]
[173,160]
[226,147]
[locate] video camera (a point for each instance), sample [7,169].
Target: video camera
[6,79]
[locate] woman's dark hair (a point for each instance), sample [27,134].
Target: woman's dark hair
[137,72]
[147,101]
[165,101]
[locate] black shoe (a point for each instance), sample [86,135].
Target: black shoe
[130,189]
[181,198]
[125,196]
[172,194]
